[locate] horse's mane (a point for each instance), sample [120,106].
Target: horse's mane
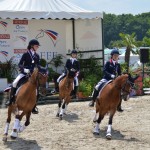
[34,76]
[120,80]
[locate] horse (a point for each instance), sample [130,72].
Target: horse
[65,88]
[109,99]
[26,97]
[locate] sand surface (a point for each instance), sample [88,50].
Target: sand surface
[131,129]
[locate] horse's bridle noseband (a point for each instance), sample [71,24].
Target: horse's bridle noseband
[123,89]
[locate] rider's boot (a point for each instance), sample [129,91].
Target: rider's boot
[95,94]
[12,96]
[119,106]
[35,110]
[74,92]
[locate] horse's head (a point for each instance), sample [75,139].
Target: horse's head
[127,86]
[72,73]
[42,79]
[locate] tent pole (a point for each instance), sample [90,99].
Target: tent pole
[102,27]
[73,32]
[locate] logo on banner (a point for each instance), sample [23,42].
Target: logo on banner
[4,24]
[22,38]
[4,53]
[51,34]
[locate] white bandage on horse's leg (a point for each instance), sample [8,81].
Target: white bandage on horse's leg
[95,116]
[16,124]
[96,129]
[109,129]
[6,128]
[61,111]
[22,128]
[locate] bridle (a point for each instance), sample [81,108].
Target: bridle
[38,81]
[123,89]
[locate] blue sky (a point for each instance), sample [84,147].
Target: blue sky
[115,6]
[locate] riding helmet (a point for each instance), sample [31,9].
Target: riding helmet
[34,42]
[74,51]
[114,51]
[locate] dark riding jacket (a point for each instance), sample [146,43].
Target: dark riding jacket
[75,65]
[28,61]
[110,69]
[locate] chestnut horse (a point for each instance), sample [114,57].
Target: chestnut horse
[26,97]
[65,88]
[109,99]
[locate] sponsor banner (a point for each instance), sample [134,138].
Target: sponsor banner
[4,36]
[19,51]
[24,22]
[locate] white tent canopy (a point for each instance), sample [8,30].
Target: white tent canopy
[53,9]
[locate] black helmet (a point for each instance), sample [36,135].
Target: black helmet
[114,51]
[74,51]
[34,42]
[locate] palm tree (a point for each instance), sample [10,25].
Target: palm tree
[129,41]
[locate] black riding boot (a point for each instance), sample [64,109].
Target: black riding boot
[95,94]
[74,92]
[119,106]
[12,96]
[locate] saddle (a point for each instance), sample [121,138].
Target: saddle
[102,85]
[22,81]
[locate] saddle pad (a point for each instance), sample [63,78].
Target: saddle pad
[106,83]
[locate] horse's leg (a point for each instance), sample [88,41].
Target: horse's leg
[97,129]
[20,118]
[96,113]
[14,133]
[62,109]
[66,105]
[27,122]
[7,123]
[108,134]
[59,105]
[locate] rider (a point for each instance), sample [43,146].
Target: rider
[72,63]
[111,70]
[27,63]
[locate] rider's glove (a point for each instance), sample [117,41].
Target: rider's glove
[72,69]
[112,76]
[27,71]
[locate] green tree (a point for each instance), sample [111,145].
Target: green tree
[57,61]
[129,41]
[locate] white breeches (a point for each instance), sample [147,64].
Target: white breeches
[99,83]
[75,79]
[15,82]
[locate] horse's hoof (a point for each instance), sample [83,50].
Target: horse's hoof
[94,121]
[60,117]
[108,136]
[12,137]
[96,133]
[4,139]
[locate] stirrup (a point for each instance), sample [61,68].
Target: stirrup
[8,103]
